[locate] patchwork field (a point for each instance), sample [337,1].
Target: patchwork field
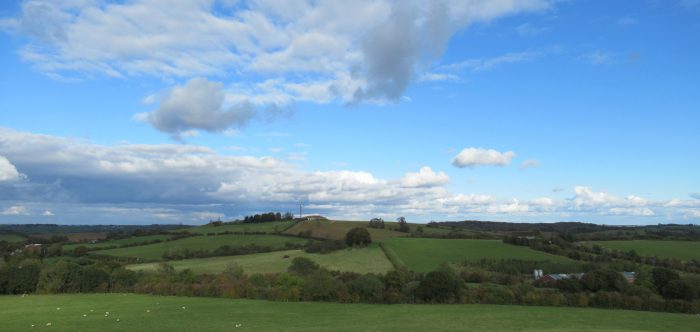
[117,243]
[683,250]
[423,255]
[336,230]
[365,260]
[11,238]
[129,312]
[155,251]
[266,227]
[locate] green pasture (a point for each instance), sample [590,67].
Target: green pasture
[264,227]
[155,251]
[117,243]
[130,312]
[424,254]
[683,250]
[364,260]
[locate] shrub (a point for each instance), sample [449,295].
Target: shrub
[303,265]
[439,286]
[358,236]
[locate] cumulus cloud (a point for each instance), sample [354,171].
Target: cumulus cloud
[198,104]
[74,180]
[8,172]
[274,52]
[472,157]
[16,210]
[426,177]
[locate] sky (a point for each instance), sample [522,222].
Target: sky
[166,111]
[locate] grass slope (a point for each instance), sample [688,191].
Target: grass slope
[423,255]
[155,251]
[265,227]
[11,238]
[117,243]
[336,230]
[365,260]
[683,250]
[172,314]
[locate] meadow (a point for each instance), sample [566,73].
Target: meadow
[683,250]
[364,260]
[116,243]
[265,227]
[424,254]
[336,230]
[155,251]
[131,312]
[12,238]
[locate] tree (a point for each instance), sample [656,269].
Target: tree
[403,225]
[358,236]
[681,289]
[303,265]
[439,286]
[376,223]
[368,287]
[662,277]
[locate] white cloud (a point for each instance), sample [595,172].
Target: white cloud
[426,177]
[351,51]
[491,63]
[530,163]
[16,210]
[199,104]
[597,58]
[79,181]
[471,157]
[47,213]
[8,172]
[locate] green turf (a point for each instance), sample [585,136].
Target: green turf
[156,251]
[264,227]
[423,255]
[172,314]
[334,229]
[11,238]
[683,250]
[117,243]
[365,260]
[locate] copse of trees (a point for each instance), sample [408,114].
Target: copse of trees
[358,236]
[376,223]
[403,225]
[268,217]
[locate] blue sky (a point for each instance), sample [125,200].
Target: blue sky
[166,111]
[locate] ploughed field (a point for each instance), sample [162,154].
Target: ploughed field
[155,251]
[364,260]
[424,254]
[683,250]
[130,312]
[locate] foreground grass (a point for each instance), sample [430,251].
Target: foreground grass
[155,251]
[336,230]
[264,227]
[683,250]
[117,243]
[365,260]
[129,312]
[423,255]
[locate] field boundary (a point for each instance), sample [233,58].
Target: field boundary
[392,256]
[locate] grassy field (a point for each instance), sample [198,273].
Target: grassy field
[365,260]
[683,250]
[336,230]
[425,255]
[265,227]
[117,243]
[11,238]
[129,312]
[155,251]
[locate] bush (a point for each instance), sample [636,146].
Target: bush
[303,265]
[325,247]
[358,236]
[439,286]
[368,287]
